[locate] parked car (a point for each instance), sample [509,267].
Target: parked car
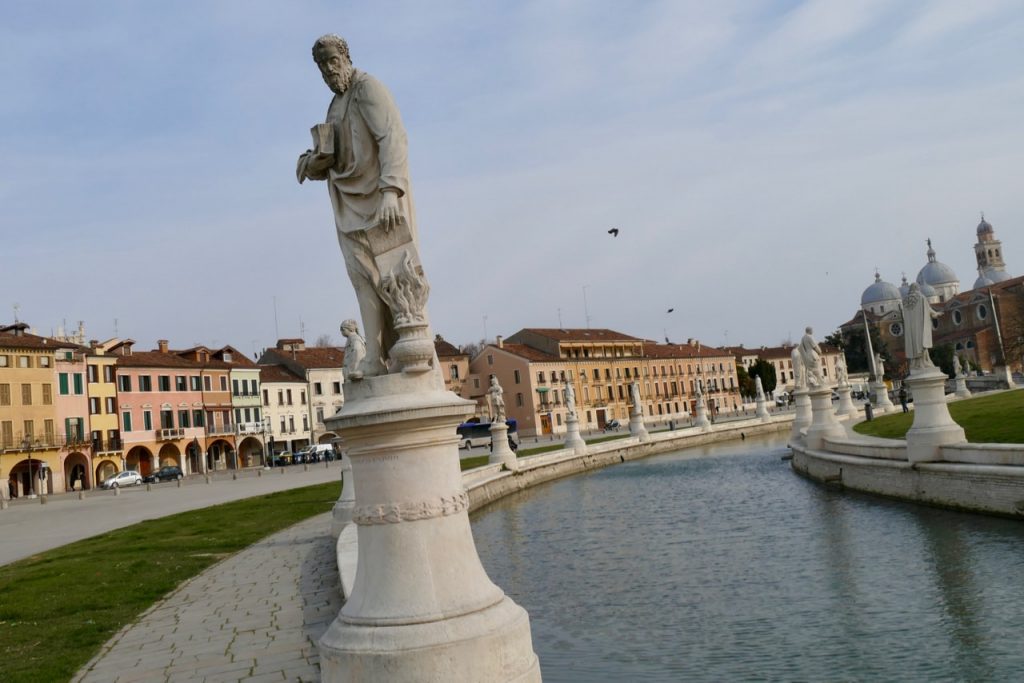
[281,459]
[612,426]
[165,473]
[126,478]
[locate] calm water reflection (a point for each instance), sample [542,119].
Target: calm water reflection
[720,564]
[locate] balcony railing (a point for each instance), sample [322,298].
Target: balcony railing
[106,445]
[22,442]
[228,428]
[249,428]
[167,434]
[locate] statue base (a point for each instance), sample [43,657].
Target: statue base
[845,406]
[961,388]
[573,440]
[700,420]
[637,427]
[880,398]
[802,419]
[823,420]
[762,410]
[933,427]
[421,606]
[341,514]
[501,452]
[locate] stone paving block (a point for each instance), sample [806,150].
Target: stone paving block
[271,677]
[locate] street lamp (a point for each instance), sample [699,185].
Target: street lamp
[265,427]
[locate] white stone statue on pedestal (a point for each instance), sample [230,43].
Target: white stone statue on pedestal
[917,322]
[634,395]
[355,350]
[496,399]
[758,387]
[841,376]
[762,404]
[810,357]
[570,400]
[799,372]
[421,606]
[879,368]
[361,152]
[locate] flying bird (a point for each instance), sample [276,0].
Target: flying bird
[670,310]
[614,232]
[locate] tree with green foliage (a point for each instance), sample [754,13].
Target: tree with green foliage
[766,371]
[853,344]
[746,382]
[942,356]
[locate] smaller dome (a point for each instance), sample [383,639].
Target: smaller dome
[984,226]
[982,281]
[927,290]
[879,291]
[936,273]
[904,287]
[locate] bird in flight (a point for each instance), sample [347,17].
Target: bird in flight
[614,232]
[670,310]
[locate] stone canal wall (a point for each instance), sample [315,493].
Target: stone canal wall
[985,478]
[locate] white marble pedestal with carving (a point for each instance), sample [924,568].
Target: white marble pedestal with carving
[421,607]
[880,398]
[501,452]
[700,420]
[802,419]
[573,439]
[961,388]
[846,406]
[341,514]
[762,409]
[933,426]
[637,427]
[823,420]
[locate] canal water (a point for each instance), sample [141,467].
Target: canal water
[721,564]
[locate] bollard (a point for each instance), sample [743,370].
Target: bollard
[179,483]
[3,503]
[282,470]
[327,464]
[117,490]
[42,499]
[149,487]
[305,468]
[208,479]
[234,476]
[81,495]
[868,412]
[259,473]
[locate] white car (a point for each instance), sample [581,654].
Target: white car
[126,478]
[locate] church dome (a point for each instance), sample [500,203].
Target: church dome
[936,273]
[879,291]
[927,291]
[983,279]
[984,226]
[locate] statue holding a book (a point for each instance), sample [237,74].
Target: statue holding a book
[362,152]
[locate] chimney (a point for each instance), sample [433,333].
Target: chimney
[162,343]
[499,341]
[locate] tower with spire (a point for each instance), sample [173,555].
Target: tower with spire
[988,251]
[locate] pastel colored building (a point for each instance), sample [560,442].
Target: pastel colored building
[104,420]
[286,409]
[321,368]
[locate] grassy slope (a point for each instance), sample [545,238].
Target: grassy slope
[59,607]
[997,418]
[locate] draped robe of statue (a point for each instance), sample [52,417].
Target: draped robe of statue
[570,400]
[917,327]
[371,155]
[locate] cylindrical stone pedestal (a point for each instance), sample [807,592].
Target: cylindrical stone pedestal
[573,439]
[421,607]
[823,420]
[961,388]
[637,427]
[933,427]
[802,419]
[700,420]
[762,410]
[846,406]
[341,514]
[500,450]
[880,398]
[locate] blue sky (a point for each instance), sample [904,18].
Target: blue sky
[759,158]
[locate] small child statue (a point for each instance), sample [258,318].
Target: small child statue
[355,350]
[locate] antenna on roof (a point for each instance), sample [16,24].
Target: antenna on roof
[17,308]
[115,327]
[560,326]
[277,332]
[586,307]
[485,329]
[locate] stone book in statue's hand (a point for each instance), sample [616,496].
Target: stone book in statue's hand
[382,241]
[323,139]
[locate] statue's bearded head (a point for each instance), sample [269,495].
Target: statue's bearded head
[330,52]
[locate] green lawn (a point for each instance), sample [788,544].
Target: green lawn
[997,418]
[59,607]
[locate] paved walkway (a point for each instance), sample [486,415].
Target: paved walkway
[28,527]
[254,617]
